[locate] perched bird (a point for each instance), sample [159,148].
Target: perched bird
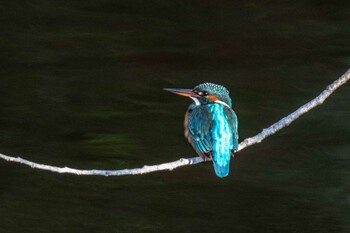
[211,125]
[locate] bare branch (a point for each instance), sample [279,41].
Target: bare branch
[195,160]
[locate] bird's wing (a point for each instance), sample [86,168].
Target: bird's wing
[198,123]
[232,118]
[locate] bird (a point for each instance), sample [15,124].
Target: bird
[211,125]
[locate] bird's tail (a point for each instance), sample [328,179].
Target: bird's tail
[221,170]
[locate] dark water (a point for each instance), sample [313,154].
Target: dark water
[81,86]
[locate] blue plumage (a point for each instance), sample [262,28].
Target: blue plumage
[222,140]
[211,126]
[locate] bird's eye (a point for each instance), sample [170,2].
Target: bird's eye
[201,93]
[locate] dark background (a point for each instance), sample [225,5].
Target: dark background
[81,86]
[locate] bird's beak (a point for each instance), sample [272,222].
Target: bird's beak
[183,92]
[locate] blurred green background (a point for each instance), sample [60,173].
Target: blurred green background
[81,86]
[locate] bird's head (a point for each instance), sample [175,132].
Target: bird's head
[205,93]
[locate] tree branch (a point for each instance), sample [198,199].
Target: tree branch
[190,161]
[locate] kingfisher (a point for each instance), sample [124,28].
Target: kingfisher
[211,125]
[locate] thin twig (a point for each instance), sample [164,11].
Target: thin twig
[195,160]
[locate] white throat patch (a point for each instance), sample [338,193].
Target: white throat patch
[196,101]
[222,103]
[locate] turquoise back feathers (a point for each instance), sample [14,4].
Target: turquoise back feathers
[222,140]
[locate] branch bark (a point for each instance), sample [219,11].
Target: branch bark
[284,122]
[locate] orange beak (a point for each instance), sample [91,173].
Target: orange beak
[182,92]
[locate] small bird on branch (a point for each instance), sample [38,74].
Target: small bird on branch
[284,122]
[211,125]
